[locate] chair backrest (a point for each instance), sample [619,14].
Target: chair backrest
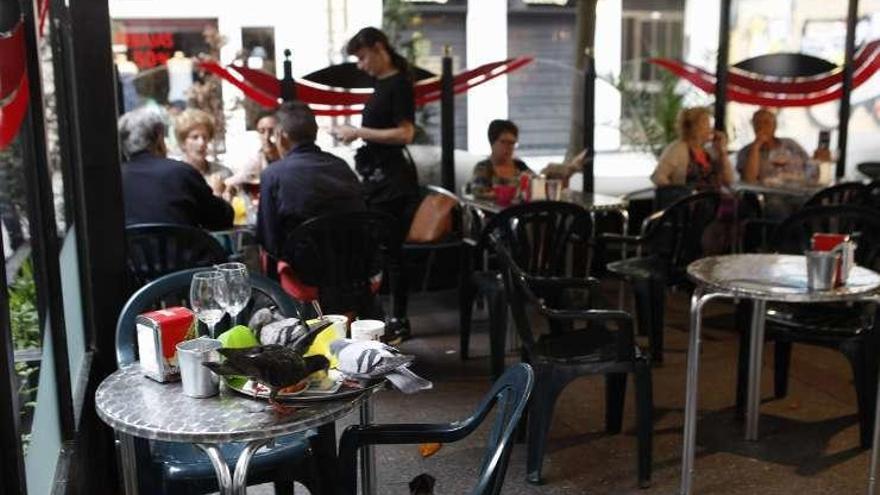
[510,395]
[871,169]
[664,196]
[173,289]
[539,234]
[862,224]
[873,198]
[340,254]
[156,249]
[675,234]
[839,194]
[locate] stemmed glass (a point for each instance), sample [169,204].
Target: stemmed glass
[207,294]
[238,288]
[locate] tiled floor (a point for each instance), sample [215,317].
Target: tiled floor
[808,445]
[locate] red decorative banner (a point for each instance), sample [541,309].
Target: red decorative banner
[12,113]
[265,89]
[13,83]
[758,89]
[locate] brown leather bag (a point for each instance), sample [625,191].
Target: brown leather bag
[433,219]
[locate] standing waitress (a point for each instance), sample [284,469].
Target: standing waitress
[390,179]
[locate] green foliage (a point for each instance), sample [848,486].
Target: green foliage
[650,113]
[23,309]
[25,324]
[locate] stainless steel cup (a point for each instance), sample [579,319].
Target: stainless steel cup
[197,380]
[554,189]
[821,269]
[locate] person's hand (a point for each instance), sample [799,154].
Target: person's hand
[762,141]
[346,133]
[719,141]
[217,185]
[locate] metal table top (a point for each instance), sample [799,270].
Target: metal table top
[592,202]
[775,277]
[133,404]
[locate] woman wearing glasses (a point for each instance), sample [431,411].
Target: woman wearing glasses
[501,167]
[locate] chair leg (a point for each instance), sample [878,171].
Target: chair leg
[466,294]
[548,385]
[864,367]
[645,421]
[743,321]
[615,396]
[781,364]
[658,321]
[497,331]
[642,295]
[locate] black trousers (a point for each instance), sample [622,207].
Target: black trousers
[402,209]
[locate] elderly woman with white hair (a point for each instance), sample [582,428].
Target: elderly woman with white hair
[160,190]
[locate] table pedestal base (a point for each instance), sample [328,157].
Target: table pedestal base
[232,483]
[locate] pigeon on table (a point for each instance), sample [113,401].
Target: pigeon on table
[369,359]
[275,366]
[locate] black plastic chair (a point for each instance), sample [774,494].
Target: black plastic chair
[845,193]
[509,395]
[871,169]
[873,199]
[179,468]
[673,239]
[342,256]
[849,328]
[568,352]
[156,249]
[542,232]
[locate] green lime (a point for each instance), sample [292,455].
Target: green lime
[237,337]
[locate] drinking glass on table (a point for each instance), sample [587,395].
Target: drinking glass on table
[238,288]
[207,293]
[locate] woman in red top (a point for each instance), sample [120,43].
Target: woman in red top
[698,158]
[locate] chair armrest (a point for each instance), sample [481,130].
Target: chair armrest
[357,436]
[631,239]
[563,282]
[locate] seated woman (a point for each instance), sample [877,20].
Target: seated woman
[698,158]
[501,167]
[194,129]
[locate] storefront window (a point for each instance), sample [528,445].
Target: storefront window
[157,65]
[816,28]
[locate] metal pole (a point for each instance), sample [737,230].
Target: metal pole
[843,125]
[288,87]
[589,122]
[447,123]
[722,66]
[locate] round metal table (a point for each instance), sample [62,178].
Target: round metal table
[135,405]
[762,278]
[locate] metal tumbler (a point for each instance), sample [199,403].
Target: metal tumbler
[197,380]
[821,269]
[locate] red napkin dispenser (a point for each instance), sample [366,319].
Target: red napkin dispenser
[158,333]
[827,242]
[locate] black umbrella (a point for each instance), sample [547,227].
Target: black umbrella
[347,75]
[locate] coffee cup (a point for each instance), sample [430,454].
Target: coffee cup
[367,329]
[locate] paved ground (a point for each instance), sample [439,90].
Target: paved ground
[808,445]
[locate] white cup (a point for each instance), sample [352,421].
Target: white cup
[367,329]
[340,324]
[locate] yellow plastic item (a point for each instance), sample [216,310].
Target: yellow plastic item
[240,210]
[321,345]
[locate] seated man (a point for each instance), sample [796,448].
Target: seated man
[768,156]
[501,167]
[160,190]
[306,182]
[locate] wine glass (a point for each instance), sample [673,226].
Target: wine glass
[207,297]
[238,288]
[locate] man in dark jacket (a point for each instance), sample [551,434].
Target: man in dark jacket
[159,190]
[305,183]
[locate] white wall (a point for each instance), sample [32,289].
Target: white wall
[609,27]
[486,39]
